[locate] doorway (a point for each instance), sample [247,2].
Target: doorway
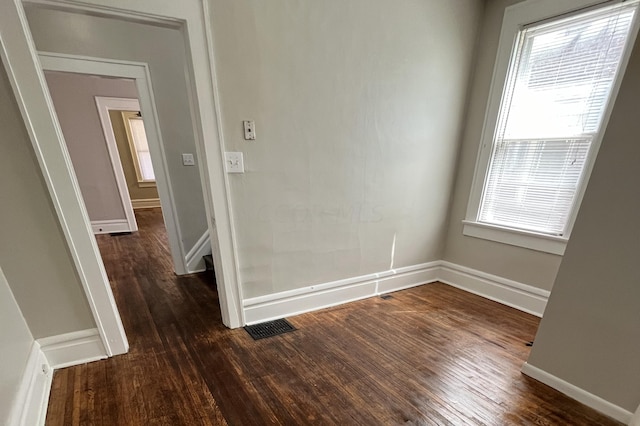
[20,56]
[138,76]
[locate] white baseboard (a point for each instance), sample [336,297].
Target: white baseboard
[145,203]
[75,348]
[194,258]
[110,226]
[523,297]
[579,394]
[30,405]
[298,301]
[47,354]
[520,296]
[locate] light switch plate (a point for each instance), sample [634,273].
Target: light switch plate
[188,160]
[234,162]
[249,130]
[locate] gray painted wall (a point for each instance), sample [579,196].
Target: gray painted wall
[163,50]
[73,98]
[526,266]
[358,109]
[590,334]
[15,341]
[33,252]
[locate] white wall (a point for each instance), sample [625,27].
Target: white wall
[73,98]
[163,50]
[33,251]
[15,341]
[519,264]
[590,333]
[358,107]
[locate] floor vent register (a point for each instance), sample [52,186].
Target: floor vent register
[269,329]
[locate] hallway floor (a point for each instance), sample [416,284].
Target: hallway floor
[431,355]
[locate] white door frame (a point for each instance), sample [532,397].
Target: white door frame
[20,59]
[139,72]
[104,105]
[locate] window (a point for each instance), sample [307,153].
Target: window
[139,148]
[549,117]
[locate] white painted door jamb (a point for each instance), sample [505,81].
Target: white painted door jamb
[104,105]
[192,18]
[30,89]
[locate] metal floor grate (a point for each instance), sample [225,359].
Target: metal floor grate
[269,329]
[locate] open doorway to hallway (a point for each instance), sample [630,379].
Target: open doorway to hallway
[106,139]
[169,47]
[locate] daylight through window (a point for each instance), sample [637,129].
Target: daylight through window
[558,86]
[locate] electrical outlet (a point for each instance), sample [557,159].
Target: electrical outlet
[249,130]
[234,162]
[188,160]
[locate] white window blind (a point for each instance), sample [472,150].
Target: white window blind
[557,89]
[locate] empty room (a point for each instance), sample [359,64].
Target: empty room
[363,212]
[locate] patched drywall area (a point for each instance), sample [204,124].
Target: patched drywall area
[589,335]
[526,266]
[33,253]
[73,97]
[358,109]
[164,50]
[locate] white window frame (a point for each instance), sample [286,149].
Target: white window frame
[515,18]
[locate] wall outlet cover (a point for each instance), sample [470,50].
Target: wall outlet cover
[188,160]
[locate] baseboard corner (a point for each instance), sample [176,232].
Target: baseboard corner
[69,349]
[523,297]
[30,405]
[590,400]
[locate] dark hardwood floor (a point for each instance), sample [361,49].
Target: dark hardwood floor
[432,355]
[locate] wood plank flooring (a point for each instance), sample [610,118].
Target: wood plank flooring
[432,355]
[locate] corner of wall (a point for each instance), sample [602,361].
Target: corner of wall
[30,405]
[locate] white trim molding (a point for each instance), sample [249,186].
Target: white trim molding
[515,237]
[579,394]
[104,105]
[110,226]
[307,299]
[194,258]
[79,347]
[523,297]
[146,203]
[46,355]
[29,86]
[30,405]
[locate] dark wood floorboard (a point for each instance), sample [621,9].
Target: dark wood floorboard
[431,355]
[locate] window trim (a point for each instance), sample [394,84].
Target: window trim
[517,17]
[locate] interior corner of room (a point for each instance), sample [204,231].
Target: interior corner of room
[356,131]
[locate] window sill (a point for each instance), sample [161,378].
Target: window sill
[515,237]
[147,184]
